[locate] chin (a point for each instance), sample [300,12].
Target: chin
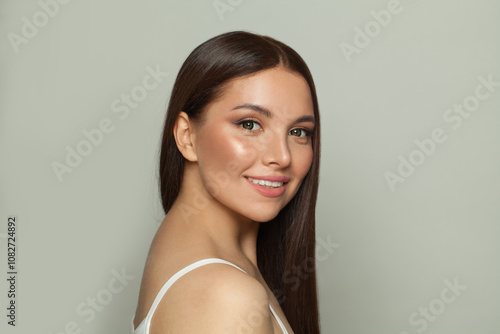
[262,216]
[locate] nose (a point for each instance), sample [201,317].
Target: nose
[277,152]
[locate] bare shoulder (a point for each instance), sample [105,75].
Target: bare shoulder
[214,298]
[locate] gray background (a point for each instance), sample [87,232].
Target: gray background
[395,249]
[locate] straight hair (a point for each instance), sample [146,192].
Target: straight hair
[287,242]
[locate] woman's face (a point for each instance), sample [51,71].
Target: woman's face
[253,146]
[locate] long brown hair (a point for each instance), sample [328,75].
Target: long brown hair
[288,241]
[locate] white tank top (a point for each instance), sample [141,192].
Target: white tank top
[143,327]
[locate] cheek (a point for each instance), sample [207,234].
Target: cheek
[221,153]
[303,158]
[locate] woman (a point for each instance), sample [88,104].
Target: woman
[239,171]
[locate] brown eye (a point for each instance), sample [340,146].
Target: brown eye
[249,125]
[298,132]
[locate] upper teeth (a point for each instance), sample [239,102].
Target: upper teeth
[266,183]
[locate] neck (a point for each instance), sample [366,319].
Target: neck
[198,211]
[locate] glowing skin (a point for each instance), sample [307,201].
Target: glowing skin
[256,132]
[238,139]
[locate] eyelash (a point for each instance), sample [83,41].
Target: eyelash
[240,124]
[307,132]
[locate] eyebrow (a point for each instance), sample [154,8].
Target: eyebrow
[264,111]
[255,107]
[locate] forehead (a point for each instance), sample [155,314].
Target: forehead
[278,89]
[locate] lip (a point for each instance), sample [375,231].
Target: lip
[271,178]
[269,192]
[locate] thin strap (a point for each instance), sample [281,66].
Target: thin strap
[279,320]
[174,278]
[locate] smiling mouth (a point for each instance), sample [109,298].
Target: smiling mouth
[265,183]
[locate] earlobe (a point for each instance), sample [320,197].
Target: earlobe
[183,131]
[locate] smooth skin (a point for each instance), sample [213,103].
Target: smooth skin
[258,127]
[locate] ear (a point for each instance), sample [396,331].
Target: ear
[184,135]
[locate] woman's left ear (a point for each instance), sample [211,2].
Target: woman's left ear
[184,134]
